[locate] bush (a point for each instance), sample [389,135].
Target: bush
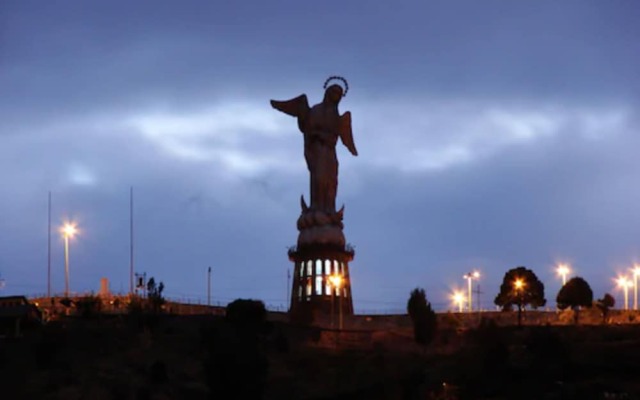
[247,313]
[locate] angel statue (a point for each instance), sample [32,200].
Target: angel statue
[321,125]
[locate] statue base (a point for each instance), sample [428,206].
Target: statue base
[313,295]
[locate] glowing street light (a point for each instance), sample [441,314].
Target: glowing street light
[636,274]
[518,284]
[458,298]
[563,270]
[625,284]
[335,281]
[68,230]
[469,277]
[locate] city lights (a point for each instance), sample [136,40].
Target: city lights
[636,274]
[624,283]
[563,270]
[458,299]
[68,231]
[335,281]
[518,284]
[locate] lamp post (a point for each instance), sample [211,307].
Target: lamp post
[336,283]
[563,270]
[458,299]
[470,277]
[636,274]
[625,283]
[519,285]
[68,230]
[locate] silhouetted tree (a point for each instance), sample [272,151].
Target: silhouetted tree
[247,314]
[604,304]
[520,287]
[422,315]
[575,294]
[154,295]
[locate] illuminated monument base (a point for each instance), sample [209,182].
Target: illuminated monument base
[313,294]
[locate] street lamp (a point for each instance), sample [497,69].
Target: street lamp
[625,283]
[563,270]
[336,282]
[458,298]
[636,274]
[68,231]
[518,286]
[469,277]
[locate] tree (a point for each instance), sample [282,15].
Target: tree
[154,295]
[604,304]
[520,287]
[575,294]
[423,317]
[247,314]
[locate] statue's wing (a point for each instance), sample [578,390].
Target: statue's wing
[344,129]
[298,107]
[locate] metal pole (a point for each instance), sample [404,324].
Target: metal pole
[340,305]
[333,297]
[131,241]
[635,293]
[287,300]
[469,285]
[209,287]
[49,251]
[66,265]
[626,297]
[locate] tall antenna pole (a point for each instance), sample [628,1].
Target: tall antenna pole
[209,287]
[131,240]
[49,251]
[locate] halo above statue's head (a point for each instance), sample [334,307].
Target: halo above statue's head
[338,78]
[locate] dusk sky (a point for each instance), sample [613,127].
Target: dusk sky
[490,135]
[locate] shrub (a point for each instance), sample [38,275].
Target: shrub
[247,313]
[604,304]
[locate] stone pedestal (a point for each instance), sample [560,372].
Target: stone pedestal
[321,251]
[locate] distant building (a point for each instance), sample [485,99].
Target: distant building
[16,314]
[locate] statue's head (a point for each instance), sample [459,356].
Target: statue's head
[335,92]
